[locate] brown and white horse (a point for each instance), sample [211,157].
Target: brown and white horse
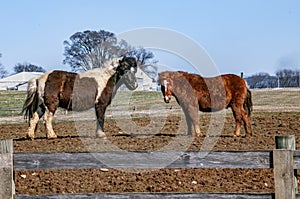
[73,91]
[193,93]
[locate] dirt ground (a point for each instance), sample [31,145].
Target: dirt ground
[151,134]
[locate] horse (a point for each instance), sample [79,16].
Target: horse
[194,92]
[77,92]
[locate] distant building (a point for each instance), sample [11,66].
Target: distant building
[144,82]
[18,81]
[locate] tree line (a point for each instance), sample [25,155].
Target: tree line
[282,79]
[3,72]
[90,49]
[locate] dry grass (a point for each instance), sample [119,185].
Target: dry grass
[276,100]
[143,102]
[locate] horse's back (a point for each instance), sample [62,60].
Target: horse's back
[219,92]
[58,89]
[60,80]
[235,84]
[236,89]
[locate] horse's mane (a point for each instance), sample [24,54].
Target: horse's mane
[112,63]
[108,68]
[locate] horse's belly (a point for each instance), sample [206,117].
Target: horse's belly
[210,109]
[79,104]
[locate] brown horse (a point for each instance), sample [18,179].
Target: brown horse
[73,91]
[194,93]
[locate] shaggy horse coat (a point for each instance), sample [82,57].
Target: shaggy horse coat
[194,93]
[73,91]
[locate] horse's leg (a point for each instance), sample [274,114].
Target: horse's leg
[32,125]
[100,111]
[48,117]
[40,111]
[192,120]
[236,110]
[188,122]
[100,127]
[197,129]
[246,121]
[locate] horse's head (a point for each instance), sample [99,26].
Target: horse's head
[166,86]
[126,72]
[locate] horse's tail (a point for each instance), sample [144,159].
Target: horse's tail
[31,103]
[248,106]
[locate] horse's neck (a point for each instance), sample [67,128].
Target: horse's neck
[107,70]
[102,73]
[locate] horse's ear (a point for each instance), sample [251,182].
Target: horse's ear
[123,57]
[161,77]
[121,61]
[158,76]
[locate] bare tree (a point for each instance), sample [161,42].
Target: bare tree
[90,49]
[261,80]
[3,72]
[288,77]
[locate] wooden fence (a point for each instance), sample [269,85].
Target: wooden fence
[284,159]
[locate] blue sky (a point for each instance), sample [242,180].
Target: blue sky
[239,35]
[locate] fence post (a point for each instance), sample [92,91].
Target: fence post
[6,169]
[283,161]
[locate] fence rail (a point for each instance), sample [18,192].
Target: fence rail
[144,160]
[285,159]
[154,196]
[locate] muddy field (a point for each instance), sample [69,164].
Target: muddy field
[79,136]
[152,125]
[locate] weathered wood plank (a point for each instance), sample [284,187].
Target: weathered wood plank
[224,159]
[6,169]
[286,185]
[284,174]
[297,159]
[152,196]
[142,159]
[287,142]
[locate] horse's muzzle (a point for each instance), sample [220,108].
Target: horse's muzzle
[167,99]
[132,86]
[135,85]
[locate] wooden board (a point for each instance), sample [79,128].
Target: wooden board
[142,159]
[152,196]
[6,169]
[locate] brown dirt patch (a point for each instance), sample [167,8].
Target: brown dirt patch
[264,126]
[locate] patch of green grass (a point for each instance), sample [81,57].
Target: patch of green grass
[11,102]
[275,100]
[141,99]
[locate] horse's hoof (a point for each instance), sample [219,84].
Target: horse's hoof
[30,137]
[102,138]
[52,137]
[100,135]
